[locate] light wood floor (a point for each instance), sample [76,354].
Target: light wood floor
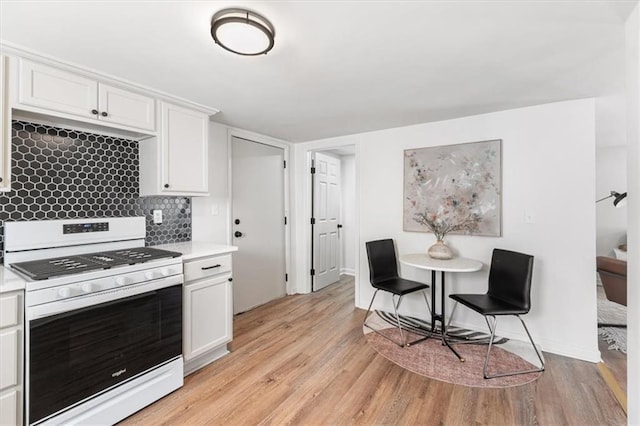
[303,360]
[616,361]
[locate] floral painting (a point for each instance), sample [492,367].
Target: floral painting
[454,188]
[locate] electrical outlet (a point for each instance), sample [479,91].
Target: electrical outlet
[157,217]
[529,217]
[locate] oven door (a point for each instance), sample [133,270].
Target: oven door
[79,353]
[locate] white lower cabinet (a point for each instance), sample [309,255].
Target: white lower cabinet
[209,323]
[208,315]
[11,335]
[10,408]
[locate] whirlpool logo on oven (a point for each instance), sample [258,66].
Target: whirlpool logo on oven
[119,372]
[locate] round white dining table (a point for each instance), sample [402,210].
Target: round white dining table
[457,264]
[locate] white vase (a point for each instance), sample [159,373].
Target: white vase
[440,251]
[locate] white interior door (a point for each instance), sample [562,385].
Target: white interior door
[258,223]
[326,214]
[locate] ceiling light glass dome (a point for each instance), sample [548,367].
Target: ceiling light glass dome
[242,32]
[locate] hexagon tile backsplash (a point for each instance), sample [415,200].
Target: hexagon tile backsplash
[65,174]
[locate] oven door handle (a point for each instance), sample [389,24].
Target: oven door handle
[90,300]
[66,313]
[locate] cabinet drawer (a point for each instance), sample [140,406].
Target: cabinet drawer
[10,408]
[8,359]
[9,309]
[206,267]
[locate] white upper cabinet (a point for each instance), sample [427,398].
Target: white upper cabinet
[173,136]
[5,128]
[177,164]
[184,141]
[123,107]
[59,91]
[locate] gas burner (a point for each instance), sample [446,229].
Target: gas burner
[48,268]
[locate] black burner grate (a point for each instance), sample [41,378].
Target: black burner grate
[67,265]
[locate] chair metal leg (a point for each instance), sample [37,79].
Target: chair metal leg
[403,343]
[395,310]
[532,344]
[491,339]
[375,293]
[396,307]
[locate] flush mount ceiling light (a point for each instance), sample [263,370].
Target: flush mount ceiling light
[242,32]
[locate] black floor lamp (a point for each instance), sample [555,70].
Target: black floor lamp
[619,199]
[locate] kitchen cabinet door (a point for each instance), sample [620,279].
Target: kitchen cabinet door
[127,108]
[10,408]
[57,90]
[5,127]
[51,91]
[11,358]
[207,315]
[184,140]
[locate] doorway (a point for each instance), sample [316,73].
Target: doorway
[333,233]
[258,223]
[611,244]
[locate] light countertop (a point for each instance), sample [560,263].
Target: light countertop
[10,281]
[196,249]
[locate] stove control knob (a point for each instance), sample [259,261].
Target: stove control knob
[64,292]
[165,272]
[120,281]
[149,275]
[87,287]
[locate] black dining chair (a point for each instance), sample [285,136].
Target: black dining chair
[383,275]
[509,293]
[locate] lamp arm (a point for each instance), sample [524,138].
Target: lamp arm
[602,199]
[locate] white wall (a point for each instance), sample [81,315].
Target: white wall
[611,175]
[548,155]
[209,215]
[611,155]
[633,207]
[348,214]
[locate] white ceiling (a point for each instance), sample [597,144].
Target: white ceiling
[341,67]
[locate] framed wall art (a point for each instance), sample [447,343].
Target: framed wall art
[454,189]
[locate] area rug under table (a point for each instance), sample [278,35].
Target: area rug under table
[431,359]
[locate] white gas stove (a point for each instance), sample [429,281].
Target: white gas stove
[104,318]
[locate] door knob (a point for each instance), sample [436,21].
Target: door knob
[238,234]
[339,226]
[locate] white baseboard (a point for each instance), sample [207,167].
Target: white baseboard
[348,271]
[550,346]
